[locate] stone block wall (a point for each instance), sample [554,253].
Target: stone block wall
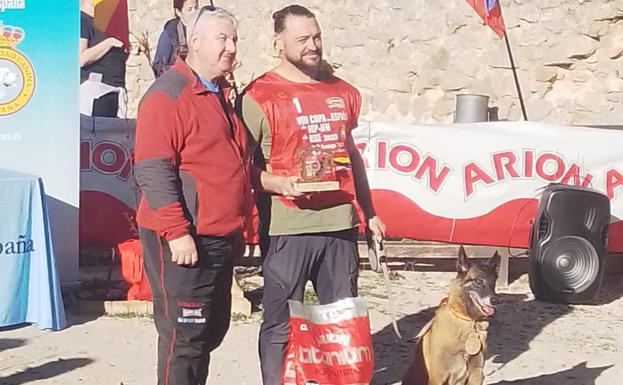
[409,58]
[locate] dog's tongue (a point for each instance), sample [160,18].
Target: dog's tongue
[489,310]
[487,307]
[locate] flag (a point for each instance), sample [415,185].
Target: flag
[491,13]
[111,17]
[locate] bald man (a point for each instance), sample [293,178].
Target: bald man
[191,166]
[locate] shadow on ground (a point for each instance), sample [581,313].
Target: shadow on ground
[578,375]
[45,371]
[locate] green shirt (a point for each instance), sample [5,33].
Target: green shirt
[282,219]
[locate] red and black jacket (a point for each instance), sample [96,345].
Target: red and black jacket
[191,159]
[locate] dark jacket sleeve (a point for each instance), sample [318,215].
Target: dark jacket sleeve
[163,51]
[166,49]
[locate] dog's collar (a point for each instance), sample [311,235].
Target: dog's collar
[457,313]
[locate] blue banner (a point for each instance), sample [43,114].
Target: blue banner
[39,116]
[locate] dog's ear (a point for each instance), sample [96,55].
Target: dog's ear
[494,263]
[462,265]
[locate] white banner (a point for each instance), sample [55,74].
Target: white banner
[461,183]
[478,183]
[108,195]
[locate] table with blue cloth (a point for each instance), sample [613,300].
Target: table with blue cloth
[29,286]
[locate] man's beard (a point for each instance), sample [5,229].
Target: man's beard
[311,69]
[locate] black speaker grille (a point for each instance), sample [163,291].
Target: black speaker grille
[570,264]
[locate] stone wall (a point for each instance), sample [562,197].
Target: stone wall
[409,58]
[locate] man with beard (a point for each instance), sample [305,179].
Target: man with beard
[191,166]
[289,111]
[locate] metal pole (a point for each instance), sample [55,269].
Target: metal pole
[510,56]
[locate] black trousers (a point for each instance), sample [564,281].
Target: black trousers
[329,260]
[192,305]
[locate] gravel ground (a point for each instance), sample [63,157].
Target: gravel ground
[530,343]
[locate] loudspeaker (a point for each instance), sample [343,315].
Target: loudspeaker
[568,244]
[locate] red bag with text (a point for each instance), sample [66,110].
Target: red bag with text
[329,344]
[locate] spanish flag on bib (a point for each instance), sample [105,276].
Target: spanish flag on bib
[111,17]
[491,13]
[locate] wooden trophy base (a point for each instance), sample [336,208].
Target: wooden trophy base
[309,187]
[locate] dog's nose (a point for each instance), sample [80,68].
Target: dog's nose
[495,301]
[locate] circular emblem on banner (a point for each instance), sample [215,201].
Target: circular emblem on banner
[17,77]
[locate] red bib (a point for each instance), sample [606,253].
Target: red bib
[309,118]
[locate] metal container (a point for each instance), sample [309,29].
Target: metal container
[471,108]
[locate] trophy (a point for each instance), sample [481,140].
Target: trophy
[318,170]
[323,163]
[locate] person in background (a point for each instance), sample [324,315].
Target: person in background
[102,54]
[172,41]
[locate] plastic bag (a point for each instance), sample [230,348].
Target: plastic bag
[131,256]
[329,344]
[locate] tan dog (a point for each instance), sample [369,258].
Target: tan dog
[451,348]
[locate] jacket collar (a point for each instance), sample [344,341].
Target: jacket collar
[196,84]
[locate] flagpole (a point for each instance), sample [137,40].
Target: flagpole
[510,56]
[512,60]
